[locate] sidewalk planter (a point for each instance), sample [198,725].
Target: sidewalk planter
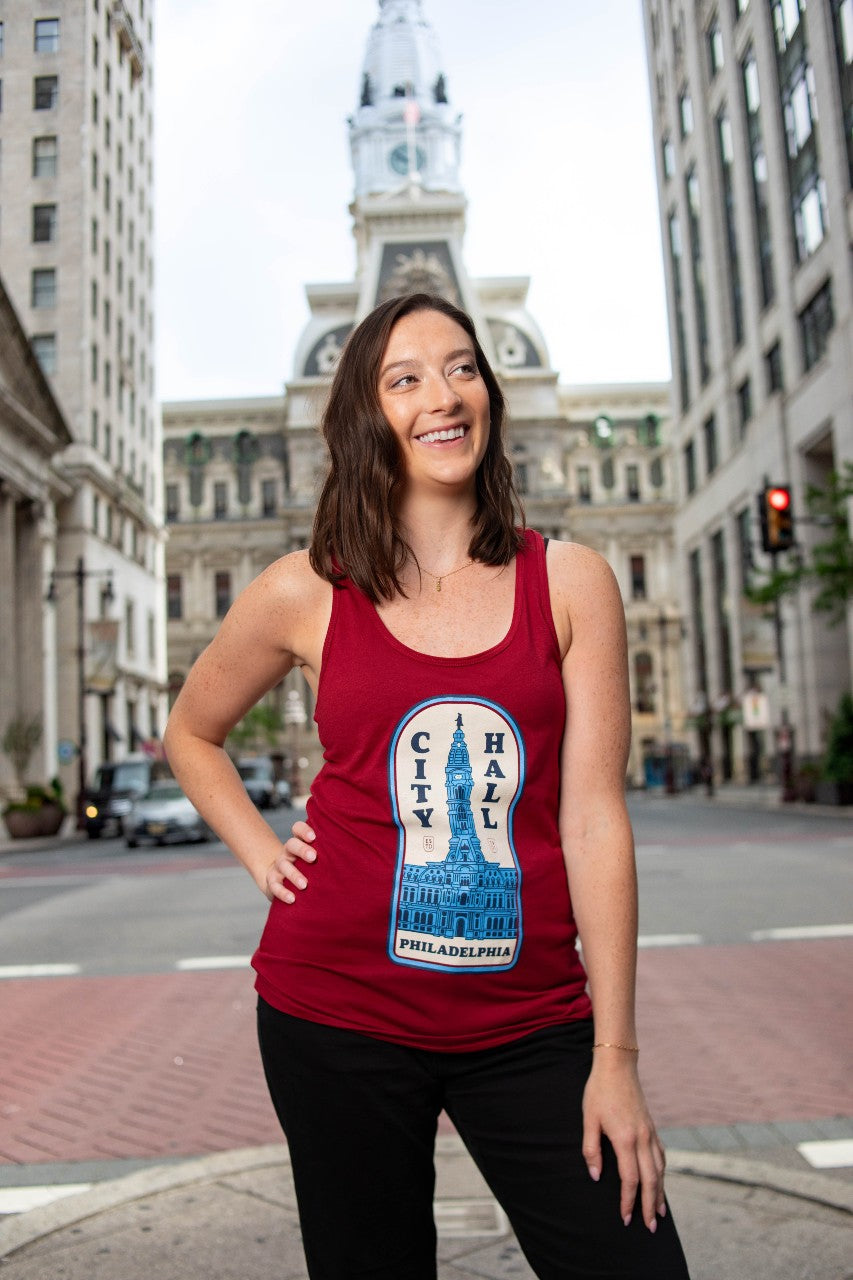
[27,824]
[828,792]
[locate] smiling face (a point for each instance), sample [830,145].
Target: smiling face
[435,401]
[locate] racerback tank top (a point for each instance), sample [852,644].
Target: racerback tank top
[437,914]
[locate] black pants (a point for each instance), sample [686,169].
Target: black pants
[360,1119]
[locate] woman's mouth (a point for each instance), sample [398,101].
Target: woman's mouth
[446,433]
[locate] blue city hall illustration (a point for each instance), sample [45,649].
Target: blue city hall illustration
[461,910]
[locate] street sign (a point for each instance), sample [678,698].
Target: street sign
[66,750]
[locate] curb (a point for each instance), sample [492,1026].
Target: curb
[28,1227]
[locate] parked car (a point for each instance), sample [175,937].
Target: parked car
[116,786]
[285,791]
[164,813]
[258,774]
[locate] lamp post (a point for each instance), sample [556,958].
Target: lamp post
[79,575]
[669,771]
[295,718]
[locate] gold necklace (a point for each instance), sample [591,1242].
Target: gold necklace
[438,576]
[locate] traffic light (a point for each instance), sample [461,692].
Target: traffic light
[777,518]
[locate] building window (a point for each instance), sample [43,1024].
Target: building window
[152,641]
[2,37]
[744,404]
[44,157]
[694,574]
[608,474]
[816,321]
[174,596]
[46,35]
[668,158]
[43,287]
[758,159]
[222,593]
[638,577]
[44,223]
[632,482]
[45,93]
[842,24]
[583,477]
[716,56]
[697,259]
[643,684]
[648,432]
[773,364]
[690,466]
[787,15]
[220,500]
[744,543]
[44,350]
[676,255]
[726,153]
[129,628]
[709,430]
[656,473]
[269,497]
[173,503]
[685,113]
[721,607]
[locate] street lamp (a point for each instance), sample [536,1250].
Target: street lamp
[669,771]
[79,575]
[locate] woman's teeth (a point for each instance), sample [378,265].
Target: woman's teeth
[451,433]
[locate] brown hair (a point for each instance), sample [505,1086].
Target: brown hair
[356,531]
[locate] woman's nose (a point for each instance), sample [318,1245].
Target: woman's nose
[444,395]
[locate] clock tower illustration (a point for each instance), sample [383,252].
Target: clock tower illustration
[464,896]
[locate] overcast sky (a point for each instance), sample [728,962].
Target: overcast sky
[253,177]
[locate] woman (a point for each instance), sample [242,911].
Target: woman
[469,822]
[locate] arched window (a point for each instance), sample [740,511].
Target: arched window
[644,689]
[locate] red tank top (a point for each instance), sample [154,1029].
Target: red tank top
[437,914]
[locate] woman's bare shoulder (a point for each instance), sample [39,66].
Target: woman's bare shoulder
[574,570]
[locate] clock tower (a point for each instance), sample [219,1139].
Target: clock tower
[404,130]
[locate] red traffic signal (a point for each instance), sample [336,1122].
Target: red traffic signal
[777,519]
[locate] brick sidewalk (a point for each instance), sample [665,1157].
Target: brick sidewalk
[167,1065]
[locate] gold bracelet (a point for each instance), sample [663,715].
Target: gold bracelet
[606,1044]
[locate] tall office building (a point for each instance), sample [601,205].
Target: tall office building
[752,103]
[76,246]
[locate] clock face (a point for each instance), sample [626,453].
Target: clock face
[399,158]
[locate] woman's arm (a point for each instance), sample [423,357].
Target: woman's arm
[279,621]
[599,853]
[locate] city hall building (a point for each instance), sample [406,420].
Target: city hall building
[593,463]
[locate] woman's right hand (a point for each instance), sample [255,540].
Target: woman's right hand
[284,871]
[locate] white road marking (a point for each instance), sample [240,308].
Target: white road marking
[670,940]
[801,932]
[213,962]
[20,1199]
[833,1153]
[38,970]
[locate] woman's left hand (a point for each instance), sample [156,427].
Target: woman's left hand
[614,1105]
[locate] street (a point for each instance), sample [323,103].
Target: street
[127,1001]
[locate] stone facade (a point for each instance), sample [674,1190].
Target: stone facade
[32,433]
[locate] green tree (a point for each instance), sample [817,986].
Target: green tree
[828,567]
[259,728]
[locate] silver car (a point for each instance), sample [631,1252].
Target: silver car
[164,813]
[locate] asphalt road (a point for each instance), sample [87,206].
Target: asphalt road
[708,875]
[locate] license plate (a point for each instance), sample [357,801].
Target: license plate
[156,828]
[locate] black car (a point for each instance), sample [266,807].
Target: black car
[258,775]
[110,799]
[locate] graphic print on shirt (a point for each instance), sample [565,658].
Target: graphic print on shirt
[456,772]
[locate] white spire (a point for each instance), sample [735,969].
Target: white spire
[404,128]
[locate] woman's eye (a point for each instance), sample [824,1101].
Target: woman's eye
[467,368]
[406,380]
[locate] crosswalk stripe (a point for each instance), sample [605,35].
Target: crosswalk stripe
[213,962]
[802,932]
[20,1199]
[38,970]
[832,1153]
